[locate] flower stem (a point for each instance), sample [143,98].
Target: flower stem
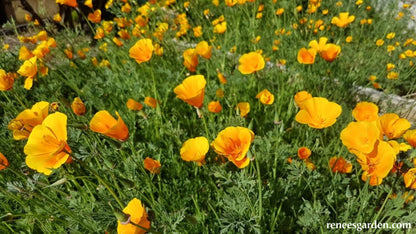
[101,180]
[18,99]
[201,116]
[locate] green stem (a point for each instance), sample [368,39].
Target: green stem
[101,180]
[18,99]
[147,230]
[260,188]
[200,115]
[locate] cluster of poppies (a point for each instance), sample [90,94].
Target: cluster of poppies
[46,133]
[327,51]
[373,140]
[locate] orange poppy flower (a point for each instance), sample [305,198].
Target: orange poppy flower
[150,102]
[243,108]
[234,143]
[410,137]
[392,125]
[195,150]
[318,112]
[265,97]
[78,106]
[118,42]
[71,3]
[300,97]
[142,51]
[221,78]
[203,49]
[138,215]
[152,165]
[330,52]
[25,53]
[3,162]
[6,80]
[250,63]
[365,111]
[104,123]
[23,124]
[46,147]
[126,8]
[304,152]
[340,165]
[95,17]
[360,136]
[343,20]
[123,33]
[29,69]
[190,59]
[378,163]
[306,56]
[214,107]
[192,90]
[410,178]
[134,105]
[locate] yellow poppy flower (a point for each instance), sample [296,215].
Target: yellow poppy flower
[195,150]
[360,137]
[378,163]
[243,108]
[318,112]
[220,28]
[318,46]
[190,59]
[29,69]
[203,49]
[365,111]
[410,137]
[265,97]
[134,105]
[343,20]
[251,62]
[46,147]
[192,90]
[138,216]
[392,125]
[78,106]
[142,51]
[6,80]
[410,178]
[150,102]
[306,56]
[300,97]
[23,124]
[88,3]
[25,53]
